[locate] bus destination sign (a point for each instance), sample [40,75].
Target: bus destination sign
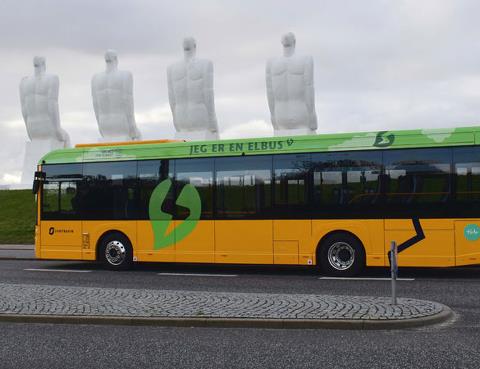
[240,147]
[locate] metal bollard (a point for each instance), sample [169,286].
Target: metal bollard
[394,270]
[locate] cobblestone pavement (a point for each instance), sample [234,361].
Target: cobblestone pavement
[25,299]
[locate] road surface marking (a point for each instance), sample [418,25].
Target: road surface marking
[57,270]
[199,275]
[367,279]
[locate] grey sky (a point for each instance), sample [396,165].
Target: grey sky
[379,64]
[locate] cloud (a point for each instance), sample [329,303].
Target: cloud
[254,128]
[379,65]
[154,116]
[11,178]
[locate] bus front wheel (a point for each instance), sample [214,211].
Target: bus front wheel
[115,252]
[342,255]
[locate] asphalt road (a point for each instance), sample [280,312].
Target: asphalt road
[455,344]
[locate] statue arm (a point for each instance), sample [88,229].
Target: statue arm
[210,99]
[130,111]
[310,93]
[270,96]
[171,96]
[53,108]
[23,106]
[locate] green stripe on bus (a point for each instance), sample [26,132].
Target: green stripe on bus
[270,145]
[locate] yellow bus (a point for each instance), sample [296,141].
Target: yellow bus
[335,201]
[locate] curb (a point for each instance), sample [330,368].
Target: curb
[357,324]
[17,246]
[26,252]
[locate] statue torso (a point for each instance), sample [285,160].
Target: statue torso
[288,78]
[40,119]
[189,90]
[110,92]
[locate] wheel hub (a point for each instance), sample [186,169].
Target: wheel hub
[341,255]
[115,252]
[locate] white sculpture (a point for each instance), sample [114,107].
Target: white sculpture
[290,91]
[190,93]
[39,102]
[112,94]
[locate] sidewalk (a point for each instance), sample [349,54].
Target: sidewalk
[87,305]
[17,252]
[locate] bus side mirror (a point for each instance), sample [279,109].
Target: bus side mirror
[38,178]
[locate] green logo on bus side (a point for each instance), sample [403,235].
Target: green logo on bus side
[160,221]
[472,232]
[384,140]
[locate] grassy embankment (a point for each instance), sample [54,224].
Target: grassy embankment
[17,217]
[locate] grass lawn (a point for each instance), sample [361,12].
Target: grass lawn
[17,217]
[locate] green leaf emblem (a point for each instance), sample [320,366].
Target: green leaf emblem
[160,221]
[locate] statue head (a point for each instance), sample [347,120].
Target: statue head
[39,64]
[288,42]
[111,59]
[189,47]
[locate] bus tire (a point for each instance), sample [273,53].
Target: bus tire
[115,251]
[341,255]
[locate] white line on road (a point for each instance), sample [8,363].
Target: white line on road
[198,275]
[366,279]
[57,270]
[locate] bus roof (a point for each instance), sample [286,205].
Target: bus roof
[165,149]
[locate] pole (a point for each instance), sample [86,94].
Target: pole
[394,270]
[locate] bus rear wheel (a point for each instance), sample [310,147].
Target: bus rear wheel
[341,255]
[115,252]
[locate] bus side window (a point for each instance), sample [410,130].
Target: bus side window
[466,161]
[243,186]
[110,190]
[419,181]
[346,182]
[50,203]
[199,174]
[68,199]
[149,174]
[291,185]
[60,196]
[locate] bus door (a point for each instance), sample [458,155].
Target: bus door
[155,235]
[243,233]
[61,232]
[194,224]
[417,198]
[291,237]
